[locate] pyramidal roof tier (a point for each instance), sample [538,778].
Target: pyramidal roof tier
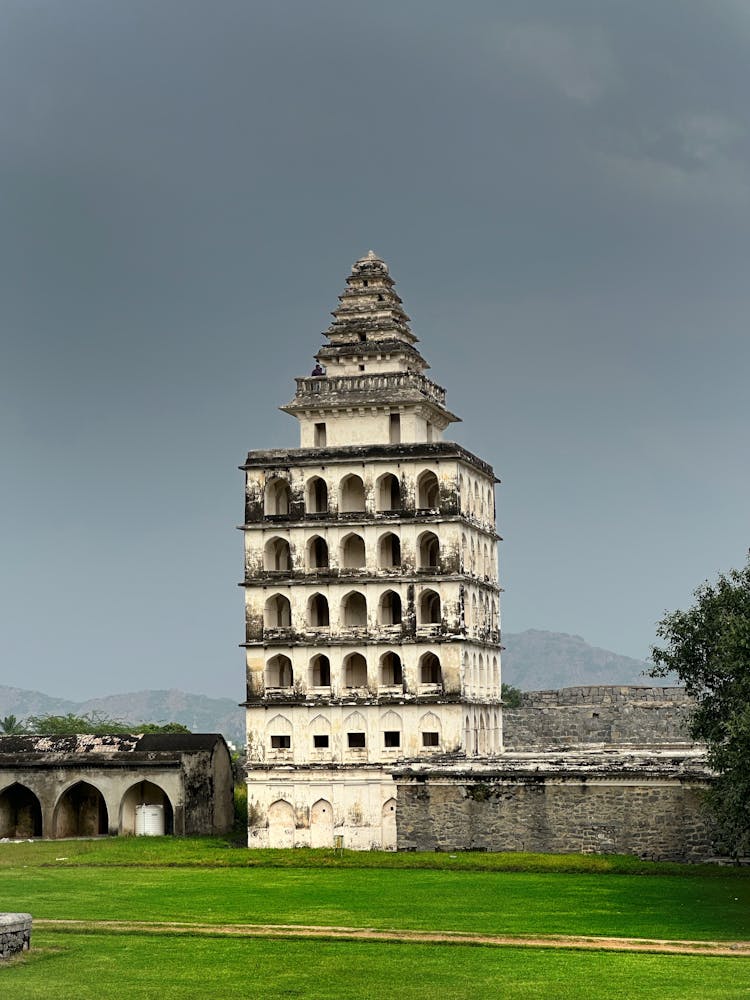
[370,359]
[369,308]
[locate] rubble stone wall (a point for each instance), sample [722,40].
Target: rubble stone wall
[15,934]
[653,819]
[598,714]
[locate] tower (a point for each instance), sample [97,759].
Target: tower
[371,588]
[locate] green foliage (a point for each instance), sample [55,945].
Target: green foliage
[11,726]
[708,647]
[95,724]
[511,696]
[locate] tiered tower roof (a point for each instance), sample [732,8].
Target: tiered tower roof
[370,358]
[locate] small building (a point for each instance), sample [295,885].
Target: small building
[88,786]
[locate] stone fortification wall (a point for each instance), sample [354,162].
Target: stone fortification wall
[652,811]
[15,934]
[641,716]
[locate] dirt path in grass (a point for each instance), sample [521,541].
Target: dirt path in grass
[739,948]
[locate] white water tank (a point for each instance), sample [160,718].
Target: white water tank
[149,821]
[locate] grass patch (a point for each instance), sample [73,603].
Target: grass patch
[135,967]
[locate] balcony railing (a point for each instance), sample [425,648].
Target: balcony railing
[325,386]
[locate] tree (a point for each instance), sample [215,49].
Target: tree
[11,726]
[708,647]
[97,725]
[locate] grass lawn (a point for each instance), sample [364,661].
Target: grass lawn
[206,881]
[92,967]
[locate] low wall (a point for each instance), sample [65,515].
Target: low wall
[15,934]
[641,716]
[648,808]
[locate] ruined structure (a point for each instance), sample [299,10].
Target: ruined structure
[87,786]
[372,597]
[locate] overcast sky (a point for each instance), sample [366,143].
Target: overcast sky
[562,192]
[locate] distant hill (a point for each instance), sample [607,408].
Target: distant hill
[535,660]
[196,711]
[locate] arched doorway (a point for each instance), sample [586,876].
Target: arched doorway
[81,812]
[20,813]
[281,824]
[321,824]
[144,793]
[389,825]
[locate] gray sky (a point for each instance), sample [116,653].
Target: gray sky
[562,191]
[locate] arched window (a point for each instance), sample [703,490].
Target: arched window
[351,495]
[429,610]
[431,730]
[474,620]
[388,492]
[277,556]
[317,611]
[317,553]
[277,498]
[428,491]
[352,552]
[279,672]
[428,551]
[391,671]
[389,551]
[277,612]
[354,610]
[316,496]
[355,671]
[482,679]
[429,669]
[389,608]
[320,671]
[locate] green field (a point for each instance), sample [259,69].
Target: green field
[208,882]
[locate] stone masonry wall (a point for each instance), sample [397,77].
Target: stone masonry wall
[657,820]
[645,716]
[15,934]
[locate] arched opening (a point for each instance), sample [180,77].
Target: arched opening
[389,551]
[481,677]
[281,824]
[428,491]
[389,825]
[155,821]
[391,671]
[355,671]
[320,671]
[428,550]
[316,496]
[317,553]
[20,813]
[389,608]
[81,812]
[321,824]
[352,552]
[429,669]
[429,610]
[277,556]
[388,492]
[277,612]
[354,610]
[277,498]
[317,611]
[279,673]
[351,495]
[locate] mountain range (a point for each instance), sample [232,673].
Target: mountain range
[532,660]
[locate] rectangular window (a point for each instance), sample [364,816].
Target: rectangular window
[392,737]
[430,739]
[320,742]
[320,435]
[355,739]
[281,742]
[395,429]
